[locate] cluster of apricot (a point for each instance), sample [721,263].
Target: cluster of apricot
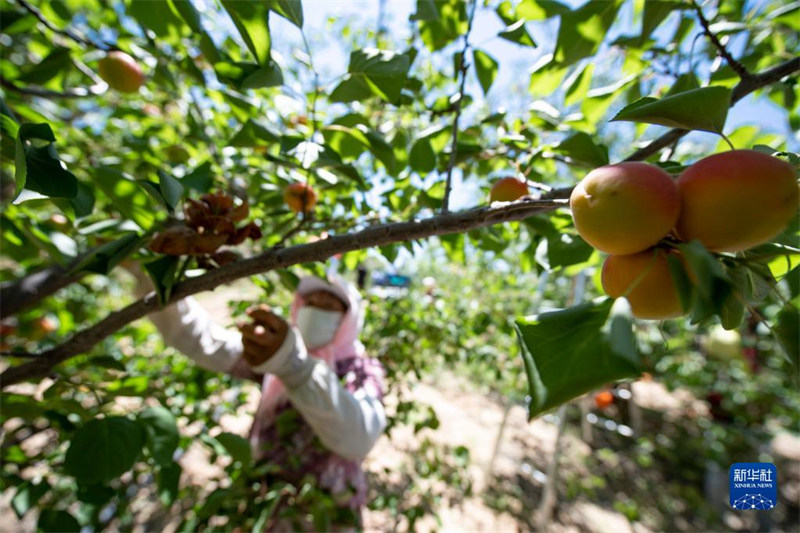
[209,224]
[729,202]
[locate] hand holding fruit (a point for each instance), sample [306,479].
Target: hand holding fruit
[263,336]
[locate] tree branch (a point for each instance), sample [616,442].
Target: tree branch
[735,65]
[33,288]
[66,33]
[742,89]
[92,90]
[272,259]
[454,145]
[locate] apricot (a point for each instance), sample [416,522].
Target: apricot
[625,208]
[645,280]
[603,399]
[121,72]
[507,190]
[300,197]
[736,200]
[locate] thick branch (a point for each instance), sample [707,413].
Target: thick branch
[462,71]
[273,259]
[742,89]
[737,67]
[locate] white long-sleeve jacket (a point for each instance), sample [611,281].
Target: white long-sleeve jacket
[348,424]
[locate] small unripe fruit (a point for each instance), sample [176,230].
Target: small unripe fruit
[300,197]
[736,200]
[507,190]
[625,208]
[645,280]
[121,72]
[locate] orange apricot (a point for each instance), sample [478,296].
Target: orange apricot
[300,197]
[645,280]
[121,72]
[507,190]
[625,208]
[736,200]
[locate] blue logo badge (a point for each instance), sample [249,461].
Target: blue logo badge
[753,486]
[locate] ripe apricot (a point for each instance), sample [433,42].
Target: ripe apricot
[645,280]
[507,190]
[121,72]
[299,197]
[736,200]
[625,208]
[603,399]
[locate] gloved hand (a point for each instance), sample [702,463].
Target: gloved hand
[262,337]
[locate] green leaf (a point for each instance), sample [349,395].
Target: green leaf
[57,522]
[581,148]
[162,433]
[95,494]
[251,18]
[28,495]
[253,134]
[381,72]
[581,31]
[156,16]
[291,10]
[237,447]
[517,33]
[168,481]
[486,69]
[38,167]
[57,60]
[566,249]
[162,272]
[422,157]
[712,286]
[540,9]
[126,196]
[366,138]
[685,82]
[105,257]
[103,449]
[568,353]
[426,10]
[580,85]
[655,12]
[787,330]
[83,203]
[440,29]
[186,10]
[704,109]
[170,188]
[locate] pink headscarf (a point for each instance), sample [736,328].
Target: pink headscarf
[345,344]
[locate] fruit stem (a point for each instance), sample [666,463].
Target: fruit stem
[727,141]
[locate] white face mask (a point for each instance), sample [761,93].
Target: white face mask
[317,326]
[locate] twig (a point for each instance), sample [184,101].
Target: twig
[735,65]
[80,39]
[93,90]
[13,353]
[273,259]
[742,89]
[454,145]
